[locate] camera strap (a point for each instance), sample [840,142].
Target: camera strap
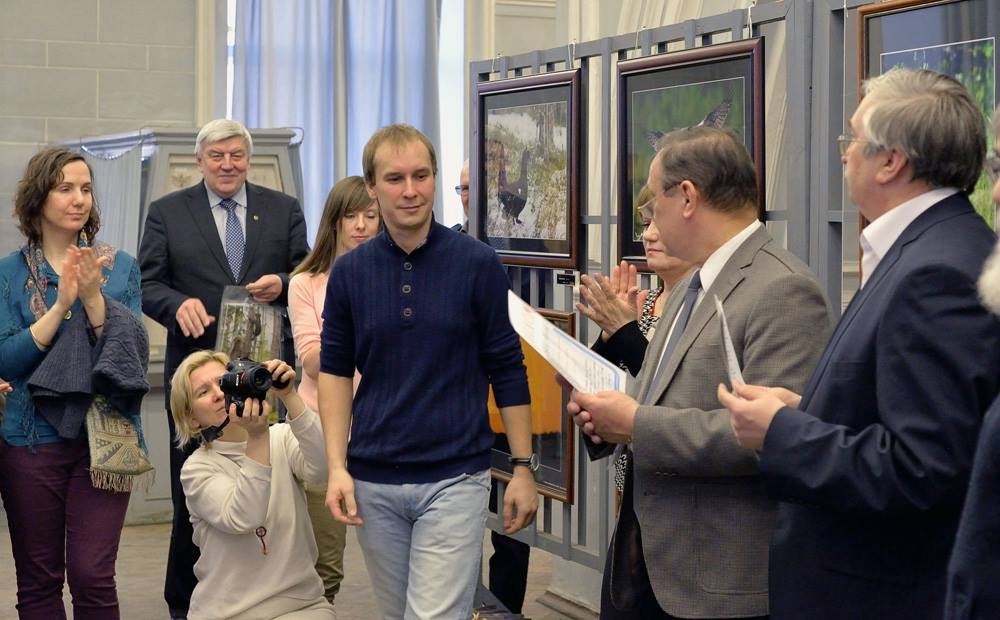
[213,432]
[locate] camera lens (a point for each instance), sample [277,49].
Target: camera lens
[259,378]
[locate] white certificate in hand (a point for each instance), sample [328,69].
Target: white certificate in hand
[732,364]
[581,367]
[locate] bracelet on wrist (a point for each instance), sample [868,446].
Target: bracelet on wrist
[41,345]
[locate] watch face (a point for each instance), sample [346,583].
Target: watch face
[530,462]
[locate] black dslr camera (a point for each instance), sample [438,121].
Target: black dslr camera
[245,378]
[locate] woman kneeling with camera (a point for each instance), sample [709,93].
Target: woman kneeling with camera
[241,487]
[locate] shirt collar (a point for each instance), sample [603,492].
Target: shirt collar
[240,197]
[718,259]
[431,234]
[878,236]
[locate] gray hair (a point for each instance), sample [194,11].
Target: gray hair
[715,161]
[222,129]
[932,119]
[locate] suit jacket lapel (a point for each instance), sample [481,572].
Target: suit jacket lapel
[655,349]
[255,213]
[200,212]
[727,280]
[956,204]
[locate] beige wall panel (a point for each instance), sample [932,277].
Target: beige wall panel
[149,96]
[152,22]
[169,58]
[69,129]
[50,19]
[47,92]
[23,53]
[97,55]
[13,159]
[523,26]
[10,236]
[14,129]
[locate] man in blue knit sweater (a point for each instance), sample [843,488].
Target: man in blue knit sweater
[421,312]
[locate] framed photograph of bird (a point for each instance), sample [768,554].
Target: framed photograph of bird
[528,142]
[717,85]
[962,44]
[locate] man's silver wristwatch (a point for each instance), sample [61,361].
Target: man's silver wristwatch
[531,462]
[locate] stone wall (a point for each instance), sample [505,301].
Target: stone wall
[76,68]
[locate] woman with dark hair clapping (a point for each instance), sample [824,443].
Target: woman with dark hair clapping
[67,301]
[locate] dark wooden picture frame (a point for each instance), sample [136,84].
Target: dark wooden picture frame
[962,44]
[720,85]
[553,435]
[528,179]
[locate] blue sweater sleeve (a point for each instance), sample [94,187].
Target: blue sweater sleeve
[500,346]
[336,355]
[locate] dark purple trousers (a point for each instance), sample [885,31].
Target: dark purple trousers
[60,525]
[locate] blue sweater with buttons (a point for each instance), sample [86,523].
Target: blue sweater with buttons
[429,333]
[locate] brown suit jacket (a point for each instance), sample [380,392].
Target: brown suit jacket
[704,516]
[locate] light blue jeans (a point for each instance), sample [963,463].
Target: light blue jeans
[423,544]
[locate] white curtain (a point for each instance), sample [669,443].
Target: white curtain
[117,189]
[339,69]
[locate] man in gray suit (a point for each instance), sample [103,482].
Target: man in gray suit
[692,537]
[221,232]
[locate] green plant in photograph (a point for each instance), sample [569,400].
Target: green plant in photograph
[973,63]
[529,140]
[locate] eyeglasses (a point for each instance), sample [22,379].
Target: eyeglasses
[844,142]
[646,211]
[992,168]
[461,189]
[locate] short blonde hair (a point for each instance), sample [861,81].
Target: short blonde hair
[398,135]
[181,392]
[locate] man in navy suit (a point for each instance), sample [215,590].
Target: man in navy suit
[193,247]
[974,569]
[871,463]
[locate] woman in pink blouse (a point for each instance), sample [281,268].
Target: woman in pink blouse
[350,218]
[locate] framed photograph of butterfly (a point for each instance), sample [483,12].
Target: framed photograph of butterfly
[526,199]
[717,85]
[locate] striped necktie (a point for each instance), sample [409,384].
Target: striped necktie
[690,298]
[235,242]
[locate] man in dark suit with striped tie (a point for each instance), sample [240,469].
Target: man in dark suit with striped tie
[221,232]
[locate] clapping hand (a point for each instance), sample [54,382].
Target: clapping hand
[90,268]
[611,302]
